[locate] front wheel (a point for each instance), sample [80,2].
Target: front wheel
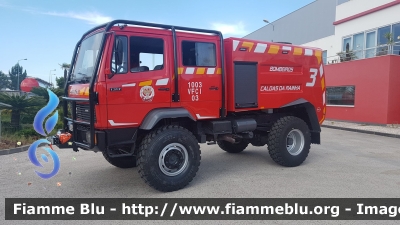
[169,158]
[289,141]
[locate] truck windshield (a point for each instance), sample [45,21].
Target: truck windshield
[86,59]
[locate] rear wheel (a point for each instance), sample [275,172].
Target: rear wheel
[233,147]
[169,158]
[289,141]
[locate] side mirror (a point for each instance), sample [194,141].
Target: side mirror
[118,51]
[117,60]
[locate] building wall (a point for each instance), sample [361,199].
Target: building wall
[333,44]
[312,22]
[341,1]
[353,7]
[374,20]
[394,91]
[376,89]
[326,44]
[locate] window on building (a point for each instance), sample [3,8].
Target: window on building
[325,57]
[370,45]
[343,95]
[346,44]
[146,54]
[382,40]
[358,46]
[396,37]
[198,54]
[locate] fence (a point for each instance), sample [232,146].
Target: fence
[363,54]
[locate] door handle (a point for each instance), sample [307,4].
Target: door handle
[213,88]
[163,89]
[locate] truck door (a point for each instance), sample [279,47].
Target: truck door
[200,76]
[141,83]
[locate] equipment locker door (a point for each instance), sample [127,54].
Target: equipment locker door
[200,76]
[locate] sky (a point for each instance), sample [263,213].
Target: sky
[45,32]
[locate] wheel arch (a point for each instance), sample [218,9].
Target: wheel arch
[156,115]
[304,110]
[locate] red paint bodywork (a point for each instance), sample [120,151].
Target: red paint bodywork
[125,108]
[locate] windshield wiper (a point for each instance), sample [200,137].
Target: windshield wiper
[85,78]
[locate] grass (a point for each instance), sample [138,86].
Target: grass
[26,135]
[10,141]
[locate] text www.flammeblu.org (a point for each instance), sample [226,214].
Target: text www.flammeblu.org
[233,209]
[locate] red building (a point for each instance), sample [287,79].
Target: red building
[368,90]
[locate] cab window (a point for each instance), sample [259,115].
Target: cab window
[198,54]
[146,54]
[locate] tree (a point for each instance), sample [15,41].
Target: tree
[42,92]
[60,82]
[390,41]
[4,81]
[19,104]
[65,67]
[13,73]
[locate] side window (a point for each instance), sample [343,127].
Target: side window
[146,54]
[123,67]
[198,53]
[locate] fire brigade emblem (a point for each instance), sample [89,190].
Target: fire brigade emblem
[147,93]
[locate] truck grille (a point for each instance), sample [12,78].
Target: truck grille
[83,112]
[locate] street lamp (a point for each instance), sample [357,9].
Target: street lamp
[50,76]
[18,73]
[273,27]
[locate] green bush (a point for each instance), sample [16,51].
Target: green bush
[27,132]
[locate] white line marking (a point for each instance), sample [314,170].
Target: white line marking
[163,210]
[204,117]
[173,210]
[189,70]
[260,48]
[119,124]
[129,85]
[162,81]
[235,44]
[210,70]
[321,70]
[308,52]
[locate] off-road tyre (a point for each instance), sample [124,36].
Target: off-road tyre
[279,143]
[233,147]
[153,159]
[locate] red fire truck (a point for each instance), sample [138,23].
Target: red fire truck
[147,94]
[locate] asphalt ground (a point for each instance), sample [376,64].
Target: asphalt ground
[346,165]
